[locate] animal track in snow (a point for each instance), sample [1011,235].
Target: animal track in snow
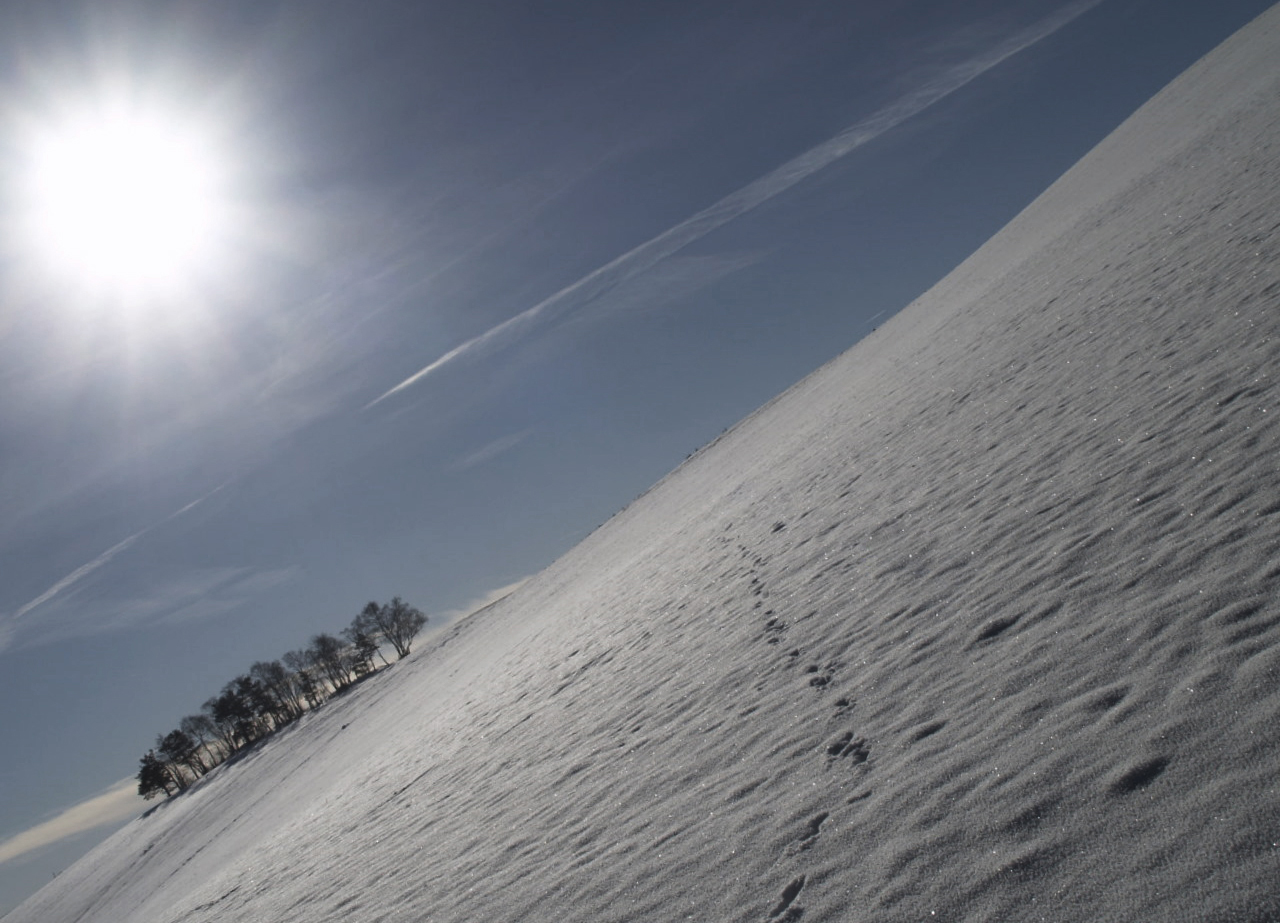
[774,628]
[994,630]
[928,730]
[810,834]
[848,746]
[821,676]
[1139,776]
[784,906]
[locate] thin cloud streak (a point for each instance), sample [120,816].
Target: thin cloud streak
[187,596]
[79,574]
[119,802]
[103,559]
[491,451]
[748,197]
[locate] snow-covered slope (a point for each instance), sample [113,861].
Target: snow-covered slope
[979,622]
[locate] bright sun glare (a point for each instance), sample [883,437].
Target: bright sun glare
[125,202]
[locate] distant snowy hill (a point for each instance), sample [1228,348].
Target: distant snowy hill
[981,621]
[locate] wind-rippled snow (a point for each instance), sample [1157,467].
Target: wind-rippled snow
[978,622]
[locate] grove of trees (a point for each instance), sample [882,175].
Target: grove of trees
[274,694]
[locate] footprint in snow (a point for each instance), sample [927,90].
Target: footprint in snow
[784,909]
[848,746]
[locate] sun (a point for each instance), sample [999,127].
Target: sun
[124,201]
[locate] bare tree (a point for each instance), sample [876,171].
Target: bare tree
[396,621]
[329,655]
[365,644]
[305,676]
[224,710]
[204,732]
[364,628]
[276,680]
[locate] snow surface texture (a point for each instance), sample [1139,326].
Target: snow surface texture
[979,622]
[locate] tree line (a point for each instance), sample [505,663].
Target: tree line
[274,694]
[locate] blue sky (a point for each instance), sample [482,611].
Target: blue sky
[501,267]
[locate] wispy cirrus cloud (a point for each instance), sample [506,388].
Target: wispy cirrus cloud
[671,280]
[607,278]
[10,624]
[77,575]
[182,597]
[119,802]
[103,559]
[491,450]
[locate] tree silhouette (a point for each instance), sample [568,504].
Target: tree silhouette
[277,682]
[258,706]
[224,728]
[233,716]
[396,621]
[272,694]
[179,749]
[202,730]
[329,655]
[304,675]
[154,777]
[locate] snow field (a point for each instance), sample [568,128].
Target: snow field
[979,622]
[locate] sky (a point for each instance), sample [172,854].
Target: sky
[487,271]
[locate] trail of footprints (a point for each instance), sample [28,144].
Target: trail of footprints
[846,750]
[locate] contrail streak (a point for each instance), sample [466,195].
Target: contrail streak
[79,574]
[85,570]
[748,197]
